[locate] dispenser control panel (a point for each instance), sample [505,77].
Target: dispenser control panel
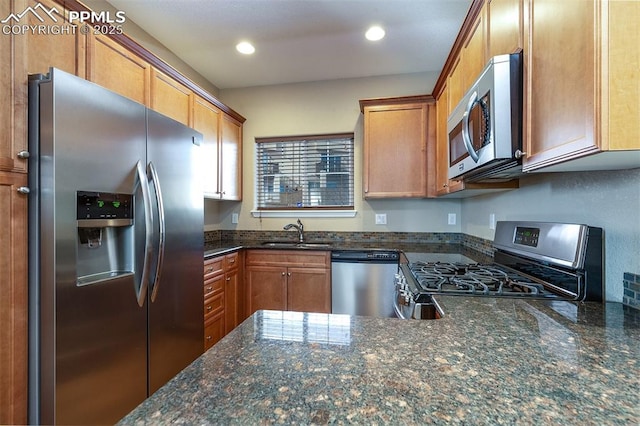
[104,205]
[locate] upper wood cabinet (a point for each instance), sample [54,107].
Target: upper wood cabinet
[583,85]
[230,161]
[65,51]
[170,97]
[113,66]
[474,53]
[222,150]
[505,25]
[396,144]
[206,120]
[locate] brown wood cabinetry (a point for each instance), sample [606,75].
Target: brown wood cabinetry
[222,305]
[13,302]
[170,97]
[505,24]
[113,66]
[222,150]
[583,83]
[288,280]
[399,147]
[230,160]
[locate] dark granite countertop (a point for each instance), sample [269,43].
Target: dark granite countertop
[224,247]
[487,361]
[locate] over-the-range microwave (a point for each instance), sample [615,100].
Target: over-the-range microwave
[485,128]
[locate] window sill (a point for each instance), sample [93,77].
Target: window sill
[303,213]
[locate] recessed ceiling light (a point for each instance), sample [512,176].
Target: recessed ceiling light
[245,48]
[375,33]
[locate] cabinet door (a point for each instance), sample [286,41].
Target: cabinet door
[395,151]
[231,302]
[13,302]
[230,162]
[13,92]
[455,85]
[309,290]
[213,330]
[560,82]
[206,120]
[474,52]
[116,68]
[443,184]
[266,287]
[504,18]
[66,51]
[171,98]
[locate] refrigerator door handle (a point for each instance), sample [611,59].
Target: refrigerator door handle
[143,285]
[162,226]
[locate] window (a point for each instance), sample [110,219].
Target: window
[305,172]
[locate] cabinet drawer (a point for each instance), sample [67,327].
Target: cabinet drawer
[302,258]
[213,285]
[213,330]
[213,266]
[213,305]
[231,261]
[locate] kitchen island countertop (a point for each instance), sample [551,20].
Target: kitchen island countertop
[487,361]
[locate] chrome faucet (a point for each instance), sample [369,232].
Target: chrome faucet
[299,227]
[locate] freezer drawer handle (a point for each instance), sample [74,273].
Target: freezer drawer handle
[162,231]
[142,286]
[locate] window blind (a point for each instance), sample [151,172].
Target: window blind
[305,172]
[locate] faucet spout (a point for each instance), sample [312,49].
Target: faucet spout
[299,227]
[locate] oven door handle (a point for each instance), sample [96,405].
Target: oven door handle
[466,134]
[396,307]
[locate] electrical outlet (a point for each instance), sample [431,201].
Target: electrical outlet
[381,218]
[492,221]
[234,217]
[451,219]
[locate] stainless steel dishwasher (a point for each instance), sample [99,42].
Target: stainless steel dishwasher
[362,282]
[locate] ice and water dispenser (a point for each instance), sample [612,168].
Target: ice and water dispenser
[105,240]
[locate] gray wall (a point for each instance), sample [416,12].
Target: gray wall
[608,199]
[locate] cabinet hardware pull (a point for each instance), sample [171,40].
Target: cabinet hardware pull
[24,190]
[23,154]
[209,337]
[209,289]
[228,278]
[209,308]
[288,274]
[519,154]
[283,274]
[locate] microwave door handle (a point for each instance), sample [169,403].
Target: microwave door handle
[466,138]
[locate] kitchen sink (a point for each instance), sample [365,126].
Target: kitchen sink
[291,244]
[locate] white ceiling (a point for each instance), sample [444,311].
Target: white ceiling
[300,40]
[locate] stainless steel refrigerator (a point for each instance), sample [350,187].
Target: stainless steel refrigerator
[115,252]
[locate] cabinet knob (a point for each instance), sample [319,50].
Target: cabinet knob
[228,278]
[209,338]
[288,274]
[209,308]
[23,190]
[284,273]
[209,289]
[23,154]
[519,154]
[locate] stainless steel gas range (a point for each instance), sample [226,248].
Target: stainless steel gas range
[534,260]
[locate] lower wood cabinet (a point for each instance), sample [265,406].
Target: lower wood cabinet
[288,280]
[222,305]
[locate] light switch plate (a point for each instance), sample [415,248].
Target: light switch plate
[381,218]
[451,219]
[492,221]
[234,217]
